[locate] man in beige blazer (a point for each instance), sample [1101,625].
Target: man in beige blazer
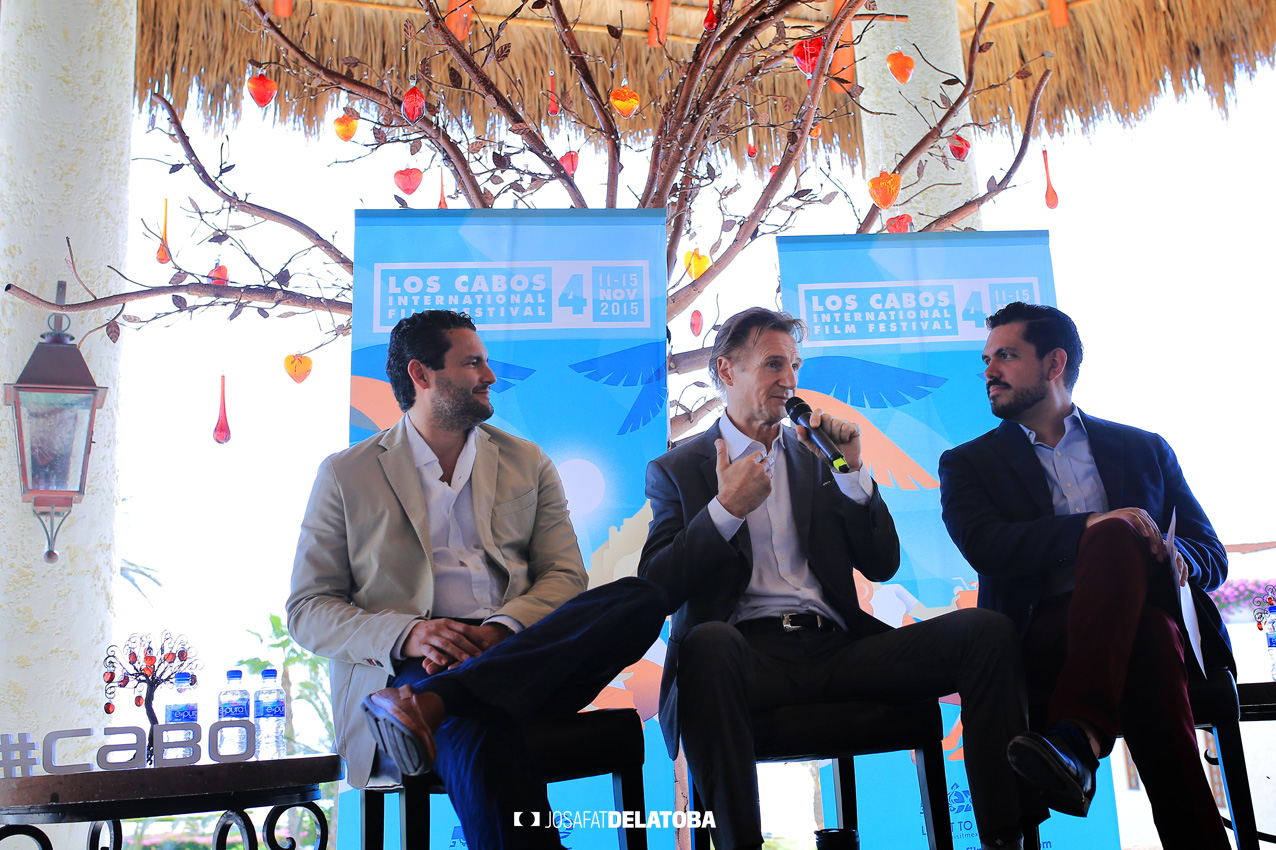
[434,569]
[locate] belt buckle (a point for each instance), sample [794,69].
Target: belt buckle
[788,626]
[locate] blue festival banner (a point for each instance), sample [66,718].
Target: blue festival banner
[571,307]
[896,334]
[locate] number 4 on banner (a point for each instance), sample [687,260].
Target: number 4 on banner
[574,295]
[974,310]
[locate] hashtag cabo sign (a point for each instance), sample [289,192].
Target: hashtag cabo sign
[176,745]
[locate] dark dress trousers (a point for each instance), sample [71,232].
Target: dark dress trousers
[716,674]
[1111,651]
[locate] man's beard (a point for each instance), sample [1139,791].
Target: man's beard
[458,409]
[1013,404]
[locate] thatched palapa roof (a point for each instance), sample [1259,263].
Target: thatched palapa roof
[1114,58]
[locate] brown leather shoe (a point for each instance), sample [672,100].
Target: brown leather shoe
[400,729]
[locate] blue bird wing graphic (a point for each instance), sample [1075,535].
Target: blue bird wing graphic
[642,364]
[507,374]
[862,383]
[649,404]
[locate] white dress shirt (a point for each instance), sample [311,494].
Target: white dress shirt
[782,581]
[465,583]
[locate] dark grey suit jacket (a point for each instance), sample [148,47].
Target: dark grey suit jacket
[705,575]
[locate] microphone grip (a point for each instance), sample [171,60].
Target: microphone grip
[826,444]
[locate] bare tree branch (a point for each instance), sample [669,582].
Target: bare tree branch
[232,294]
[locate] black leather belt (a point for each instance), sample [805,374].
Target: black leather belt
[788,623]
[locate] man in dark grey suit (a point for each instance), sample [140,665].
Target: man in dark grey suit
[755,539]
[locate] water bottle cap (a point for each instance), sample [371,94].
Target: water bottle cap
[182,679]
[270,673]
[234,675]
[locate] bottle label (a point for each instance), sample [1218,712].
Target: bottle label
[188,713]
[1271,640]
[270,709]
[233,710]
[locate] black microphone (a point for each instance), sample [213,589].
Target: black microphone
[800,412]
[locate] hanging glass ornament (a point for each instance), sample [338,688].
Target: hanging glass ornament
[710,19]
[408,179]
[1052,197]
[262,89]
[162,255]
[298,367]
[900,224]
[219,274]
[221,434]
[807,53]
[959,148]
[283,8]
[884,189]
[553,96]
[697,322]
[625,100]
[696,263]
[442,200]
[570,161]
[901,66]
[413,104]
[345,126]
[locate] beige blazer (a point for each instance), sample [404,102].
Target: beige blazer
[363,573]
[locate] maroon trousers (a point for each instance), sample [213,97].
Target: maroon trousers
[1111,655]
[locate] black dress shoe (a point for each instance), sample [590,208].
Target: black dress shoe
[1059,764]
[1002,844]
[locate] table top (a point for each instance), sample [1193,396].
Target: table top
[159,791]
[1258,700]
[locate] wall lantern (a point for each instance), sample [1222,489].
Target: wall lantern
[55,402]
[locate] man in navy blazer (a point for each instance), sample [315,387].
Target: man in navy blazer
[755,540]
[1065,518]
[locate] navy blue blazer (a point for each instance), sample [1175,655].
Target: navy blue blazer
[997,508]
[705,575]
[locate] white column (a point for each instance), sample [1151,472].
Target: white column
[932,26]
[66,102]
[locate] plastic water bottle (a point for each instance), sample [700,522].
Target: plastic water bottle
[183,709]
[268,716]
[233,704]
[1270,628]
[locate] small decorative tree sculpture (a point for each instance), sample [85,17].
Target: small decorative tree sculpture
[145,669]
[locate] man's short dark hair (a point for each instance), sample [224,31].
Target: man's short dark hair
[421,336]
[743,329]
[1047,328]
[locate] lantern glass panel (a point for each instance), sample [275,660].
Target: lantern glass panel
[55,428]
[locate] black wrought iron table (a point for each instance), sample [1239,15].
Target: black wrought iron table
[103,798]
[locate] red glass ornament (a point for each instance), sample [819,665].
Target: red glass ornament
[553,96]
[162,255]
[570,160]
[262,89]
[807,53]
[149,661]
[221,433]
[408,179]
[900,224]
[283,8]
[137,700]
[218,275]
[109,708]
[901,66]
[150,671]
[697,322]
[181,655]
[752,151]
[413,104]
[108,676]
[1052,197]
[710,19]
[168,657]
[959,148]
[442,200]
[345,127]
[132,658]
[124,681]
[771,171]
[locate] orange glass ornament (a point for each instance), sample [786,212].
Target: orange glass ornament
[570,161]
[696,263]
[807,53]
[817,130]
[345,127]
[553,96]
[710,19]
[262,89]
[298,367]
[221,433]
[884,189]
[283,8]
[162,255]
[413,104]
[900,224]
[408,179]
[218,275]
[624,100]
[442,200]
[901,66]
[959,148]
[1052,197]
[137,701]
